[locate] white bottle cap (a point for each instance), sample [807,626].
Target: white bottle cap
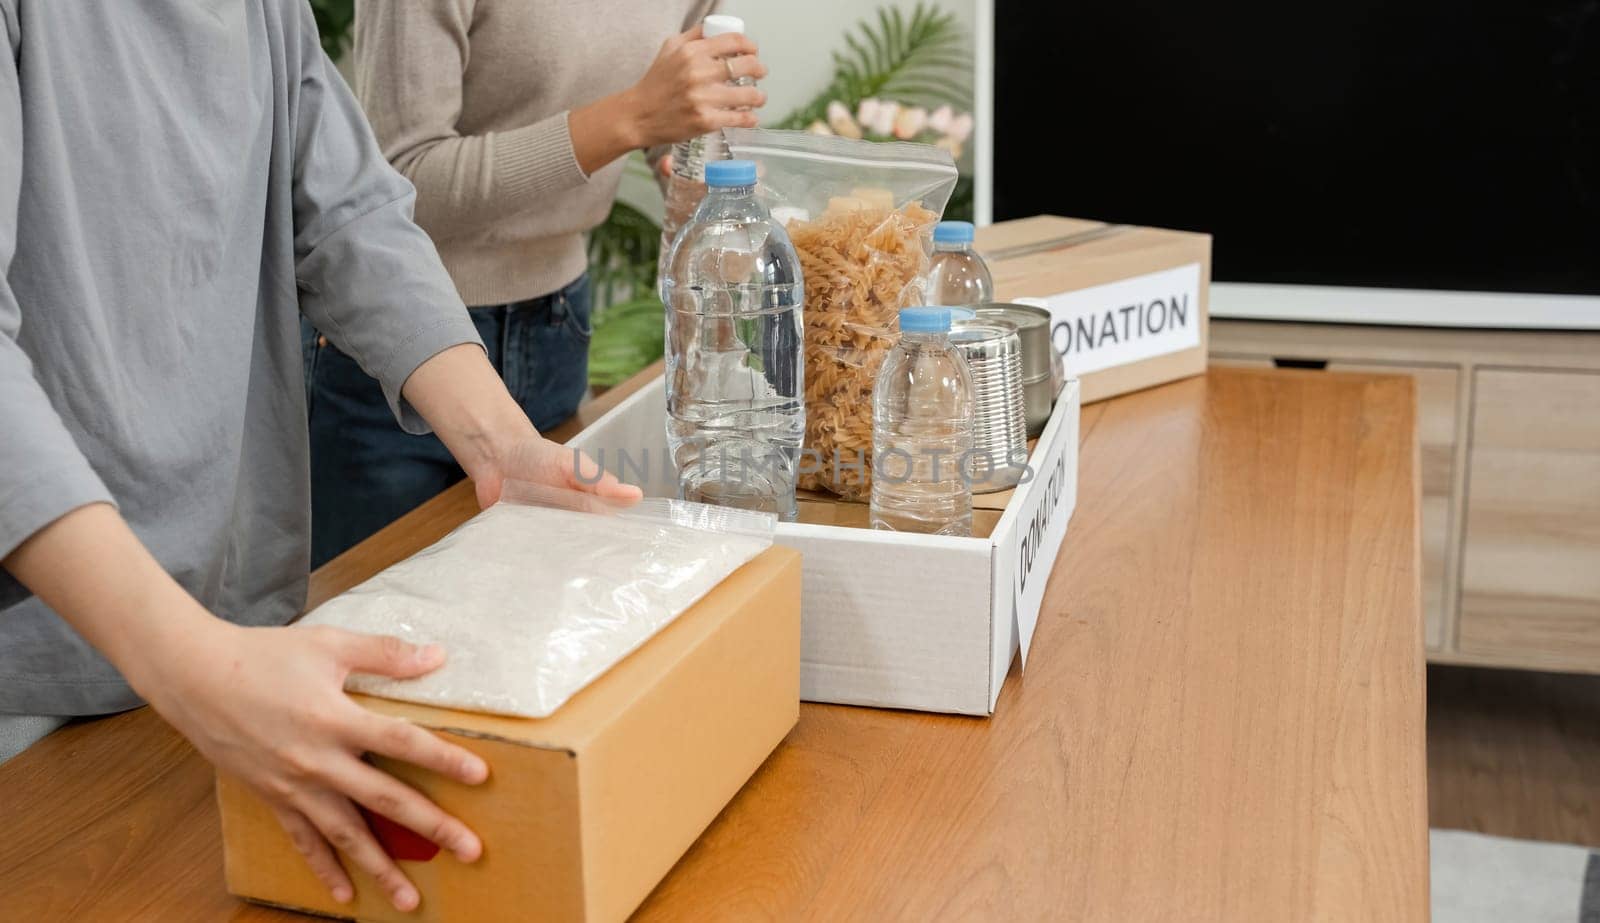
[721,24]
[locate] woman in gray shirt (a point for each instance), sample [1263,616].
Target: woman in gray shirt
[179,181]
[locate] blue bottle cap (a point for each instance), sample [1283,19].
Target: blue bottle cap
[725,173]
[952,232]
[925,320]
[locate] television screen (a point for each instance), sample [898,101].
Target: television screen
[1402,143]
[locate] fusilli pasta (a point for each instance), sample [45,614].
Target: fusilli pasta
[862,263]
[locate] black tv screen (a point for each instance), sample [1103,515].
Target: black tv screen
[1397,143]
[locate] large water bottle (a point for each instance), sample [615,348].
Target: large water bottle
[922,431]
[686,184]
[735,385]
[957,275]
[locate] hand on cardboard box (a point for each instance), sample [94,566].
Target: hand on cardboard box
[267,705]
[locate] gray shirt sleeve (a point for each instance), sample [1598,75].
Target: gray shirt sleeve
[43,475]
[369,278]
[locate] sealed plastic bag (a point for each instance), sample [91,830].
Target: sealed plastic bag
[540,594]
[861,216]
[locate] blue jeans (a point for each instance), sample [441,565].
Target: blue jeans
[366,471]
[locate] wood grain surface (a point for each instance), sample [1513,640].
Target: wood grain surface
[1438,427]
[1522,555]
[1221,719]
[1530,572]
[1438,393]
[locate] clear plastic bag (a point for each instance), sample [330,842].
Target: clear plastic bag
[538,595]
[861,215]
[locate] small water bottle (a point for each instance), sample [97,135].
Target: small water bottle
[957,275]
[735,375]
[922,431]
[686,184]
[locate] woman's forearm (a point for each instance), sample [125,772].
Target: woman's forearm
[462,397]
[603,130]
[265,704]
[465,401]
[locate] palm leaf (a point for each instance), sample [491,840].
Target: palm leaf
[627,317]
[920,60]
[622,256]
[333,23]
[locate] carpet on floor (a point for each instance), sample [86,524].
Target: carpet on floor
[1489,879]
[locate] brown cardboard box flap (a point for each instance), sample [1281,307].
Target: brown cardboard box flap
[1049,257]
[998,241]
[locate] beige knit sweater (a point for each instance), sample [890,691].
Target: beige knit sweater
[469,99]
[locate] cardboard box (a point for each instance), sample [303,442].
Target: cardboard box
[1129,303]
[587,810]
[926,622]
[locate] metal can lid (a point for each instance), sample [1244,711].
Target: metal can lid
[1033,329]
[985,338]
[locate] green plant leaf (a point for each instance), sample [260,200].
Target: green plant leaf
[919,60]
[622,257]
[334,18]
[627,337]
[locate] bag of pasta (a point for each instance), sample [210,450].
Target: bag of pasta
[861,216]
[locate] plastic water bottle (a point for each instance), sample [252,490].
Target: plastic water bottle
[735,379]
[922,431]
[957,275]
[686,184]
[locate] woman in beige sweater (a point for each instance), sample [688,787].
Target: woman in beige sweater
[511,117]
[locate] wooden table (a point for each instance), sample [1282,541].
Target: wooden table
[1222,717]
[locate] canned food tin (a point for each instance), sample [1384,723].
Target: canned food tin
[1041,377]
[993,353]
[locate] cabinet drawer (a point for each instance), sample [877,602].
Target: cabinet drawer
[1436,435]
[1530,588]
